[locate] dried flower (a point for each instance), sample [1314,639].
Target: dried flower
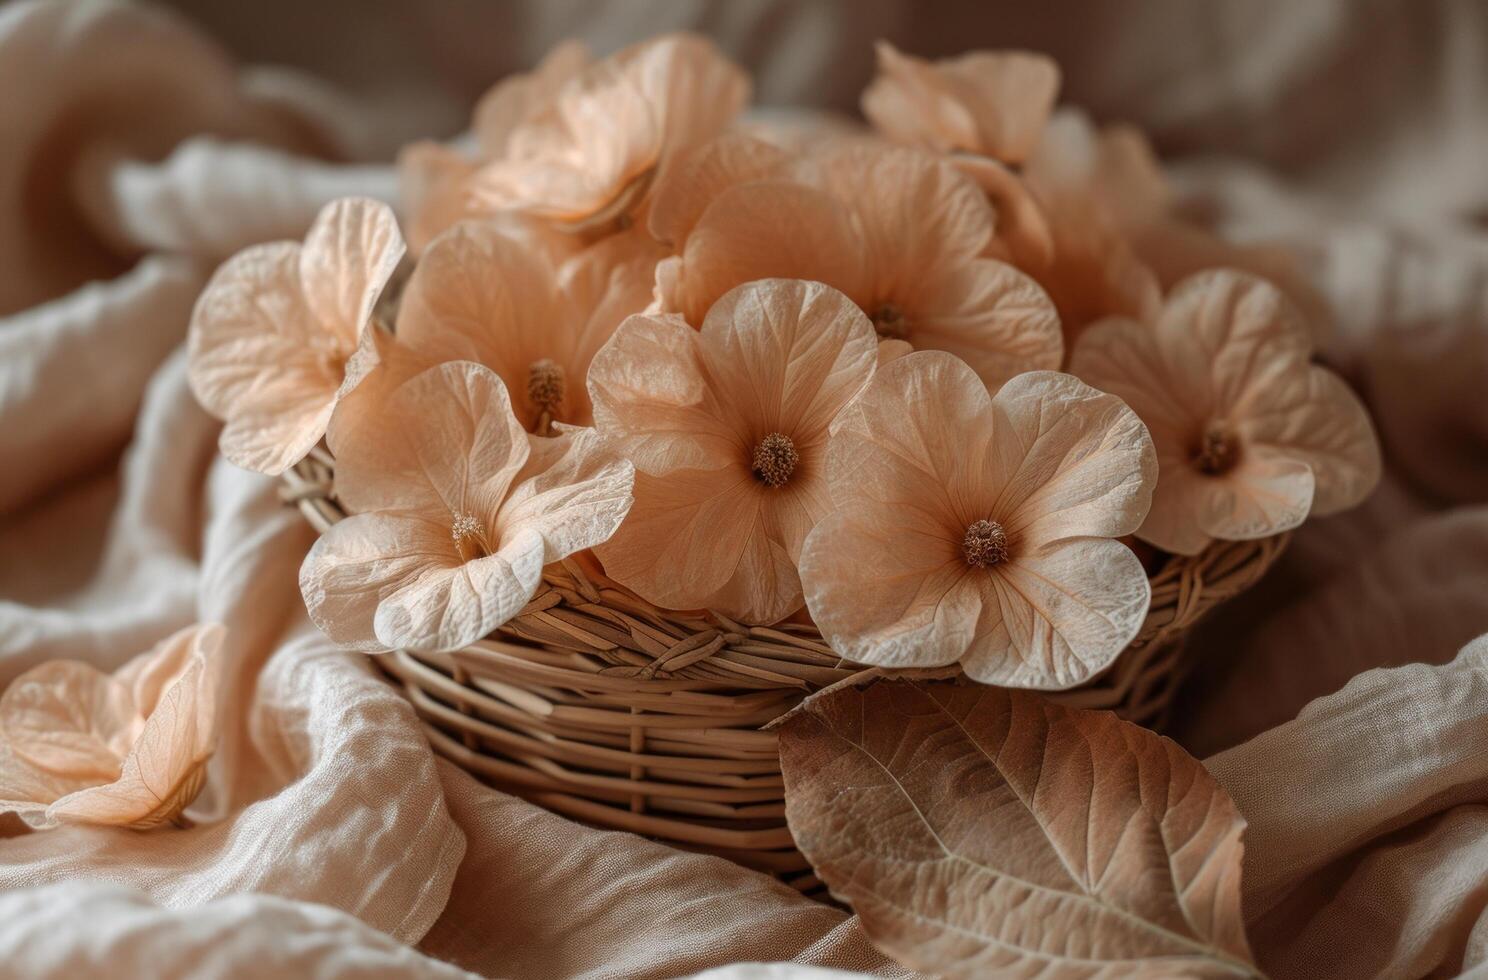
[588,160]
[433,177]
[478,295]
[727,427]
[1251,437]
[273,335]
[898,231]
[452,522]
[991,103]
[980,529]
[129,749]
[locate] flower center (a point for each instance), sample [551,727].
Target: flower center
[985,544]
[1218,450]
[890,322]
[546,386]
[775,459]
[469,534]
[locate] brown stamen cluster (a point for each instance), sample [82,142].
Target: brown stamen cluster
[546,384]
[469,534]
[985,544]
[890,322]
[775,459]
[1218,450]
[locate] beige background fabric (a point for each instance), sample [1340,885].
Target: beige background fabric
[135,154]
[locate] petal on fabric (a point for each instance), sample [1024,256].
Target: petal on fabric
[360,561]
[446,608]
[150,674]
[685,193]
[1317,419]
[260,361]
[652,396]
[27,789]
[1072,461]
[787,355]
[349,254]
[576,502]
[1262,496]
[448,445]
[766,230]
[885,584]
[477,295]
[70,719]
[910,102]
[917,437]
[516,98]
[1069,610]
[163,771]
[686,534]
[988,314]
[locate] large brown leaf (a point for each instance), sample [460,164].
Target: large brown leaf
[979,831]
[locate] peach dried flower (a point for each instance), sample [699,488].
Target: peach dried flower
[900,232]
[273,335]
[587,161]
[433,176]
[727,427]
[479,295]
[129,749]
[1251,436]
[979,529]
[992,103]
[453,516]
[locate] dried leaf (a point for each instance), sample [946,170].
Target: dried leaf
[980,831]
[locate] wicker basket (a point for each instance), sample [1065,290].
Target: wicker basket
[596,704]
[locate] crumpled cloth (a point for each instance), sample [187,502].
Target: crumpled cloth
[330,841]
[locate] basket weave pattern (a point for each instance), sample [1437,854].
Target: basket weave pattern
[598,705]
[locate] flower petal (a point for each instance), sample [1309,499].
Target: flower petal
[886,586]
[684,194]
[786,355]
[70,719]
[261,361]
[431,179]
[917,437]
[360,561]
[1022,232]
[1230,339]
[151,673]
[1318,420]
[478,295]
[451,607]
[575,503]
[685,535]
[516,98]
[651,393]
[1073,461]
[1068,610]
[911,102]
[445,443]
[1010,95]
[162,773]
[763,230]
[349,254]
[27,789]
[1173,522]
[990,315]
[1260,497]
